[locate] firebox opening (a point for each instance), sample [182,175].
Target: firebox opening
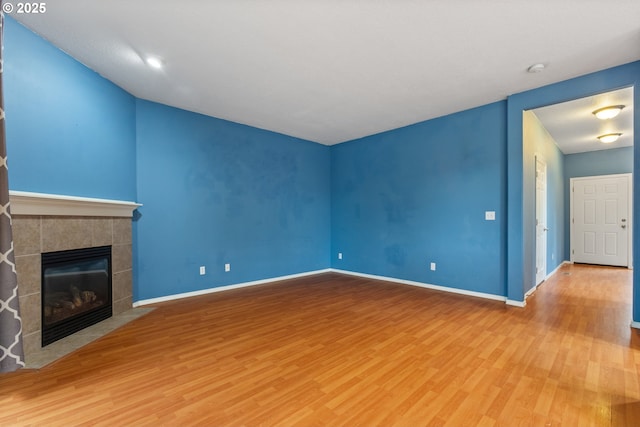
[76,291]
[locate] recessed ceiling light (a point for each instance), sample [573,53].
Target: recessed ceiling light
[609,137]
[608,112]
[154,62]
[535,68]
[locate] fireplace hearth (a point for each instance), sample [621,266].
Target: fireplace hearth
[76,291]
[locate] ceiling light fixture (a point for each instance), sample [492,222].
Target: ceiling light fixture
[535,68]
[608,112]
[154,62]
[609,137]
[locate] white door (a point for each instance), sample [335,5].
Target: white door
[541,220]
[601,224]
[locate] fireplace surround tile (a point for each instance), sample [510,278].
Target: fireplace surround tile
[30,312]
[122,305]
[26,235]
[61,233]
[122,284]
[121,257]
[32,344]
[28,268]
[34,235]
[121,231]
[101,232]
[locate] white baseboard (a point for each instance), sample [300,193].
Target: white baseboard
[535,288]
[330,270]
[516,303]
[635,325]
[557,268]
[226,288]
[423,285]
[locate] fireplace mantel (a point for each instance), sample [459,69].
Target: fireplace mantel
[27,203]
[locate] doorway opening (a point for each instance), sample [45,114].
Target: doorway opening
[565,137]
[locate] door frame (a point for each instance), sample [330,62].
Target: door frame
[629,177]
[541,276]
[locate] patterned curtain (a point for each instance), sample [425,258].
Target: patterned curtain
[11,352]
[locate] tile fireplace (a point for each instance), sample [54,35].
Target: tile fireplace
[45,224]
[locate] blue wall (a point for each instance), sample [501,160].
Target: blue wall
[416,195]
[213,191]
[555,208]
[604,162]
[216,192]
[69,131]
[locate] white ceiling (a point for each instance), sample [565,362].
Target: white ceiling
[575,129]
[335,70]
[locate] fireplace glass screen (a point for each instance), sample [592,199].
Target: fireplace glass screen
[76,291]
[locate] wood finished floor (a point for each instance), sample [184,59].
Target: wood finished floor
[334,350]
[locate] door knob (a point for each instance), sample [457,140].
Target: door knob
[624,226]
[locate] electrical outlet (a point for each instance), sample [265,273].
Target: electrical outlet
[490,215]
[227,267]
[203,271]
[339,255]
[433,266]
